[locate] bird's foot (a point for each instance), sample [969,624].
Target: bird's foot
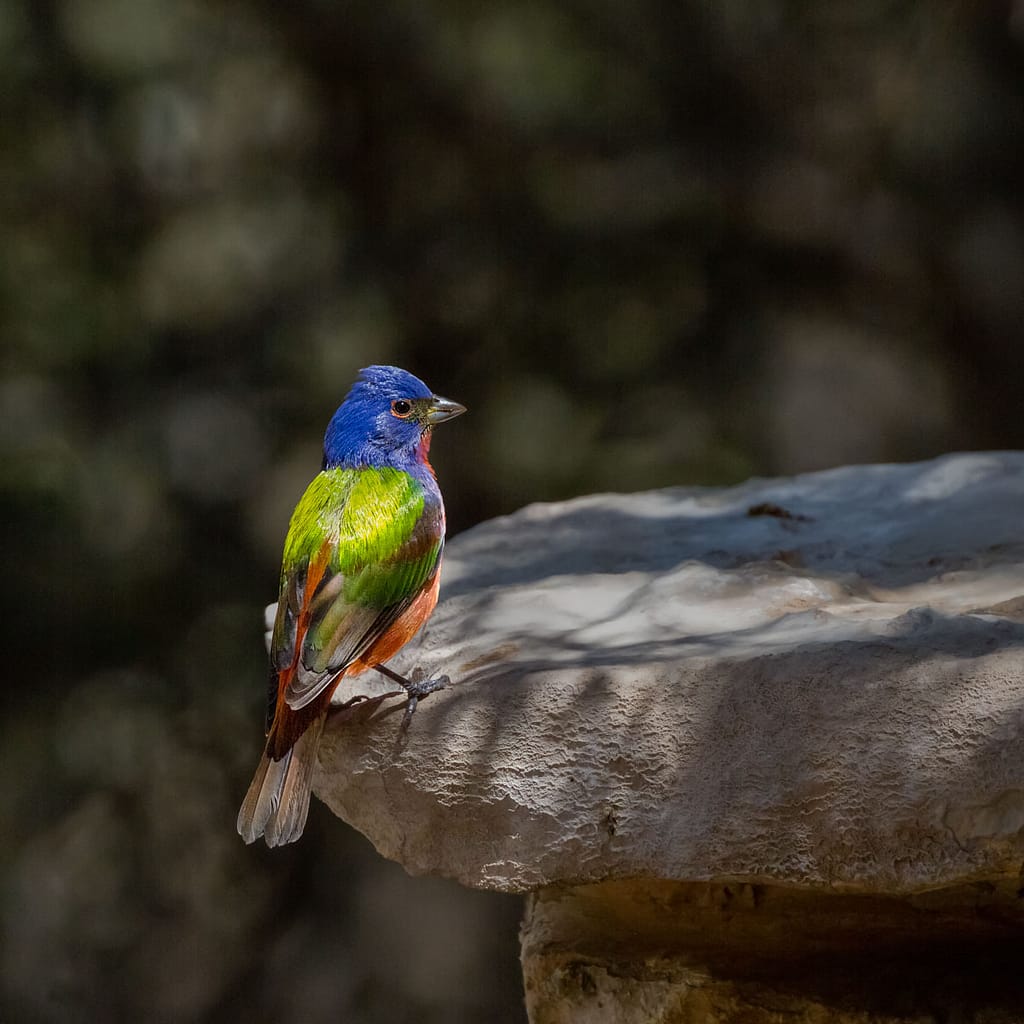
[350,703]
[416,692]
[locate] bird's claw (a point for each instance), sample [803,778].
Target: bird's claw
[417,691]
[420,688]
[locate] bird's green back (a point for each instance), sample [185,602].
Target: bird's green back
[374,538]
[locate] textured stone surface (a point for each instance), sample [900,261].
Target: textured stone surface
[757,753]
[636,952]
[815,681]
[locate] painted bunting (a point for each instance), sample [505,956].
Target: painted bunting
[359,578]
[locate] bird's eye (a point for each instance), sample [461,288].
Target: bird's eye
[401,408]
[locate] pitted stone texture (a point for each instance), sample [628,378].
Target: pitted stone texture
[636,952]
[816,681]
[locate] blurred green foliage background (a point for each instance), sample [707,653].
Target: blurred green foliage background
[646,244]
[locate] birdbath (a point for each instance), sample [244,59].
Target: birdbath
[753,753]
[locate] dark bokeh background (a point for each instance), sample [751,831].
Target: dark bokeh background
[647,244]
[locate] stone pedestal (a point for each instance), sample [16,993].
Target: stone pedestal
[636,952]
[757,754]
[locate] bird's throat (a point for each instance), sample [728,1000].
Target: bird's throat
[423,450]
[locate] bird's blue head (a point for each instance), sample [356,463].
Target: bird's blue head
[385,420]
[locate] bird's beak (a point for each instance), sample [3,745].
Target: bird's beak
[442,409]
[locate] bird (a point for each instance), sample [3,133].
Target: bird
[359,578]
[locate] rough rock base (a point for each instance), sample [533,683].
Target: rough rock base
[654,952]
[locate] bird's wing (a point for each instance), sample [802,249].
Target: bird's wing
[361,546]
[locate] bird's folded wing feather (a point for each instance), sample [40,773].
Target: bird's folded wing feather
[361,546]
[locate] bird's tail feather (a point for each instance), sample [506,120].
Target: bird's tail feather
[277,802]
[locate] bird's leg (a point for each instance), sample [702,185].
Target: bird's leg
[416,690]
